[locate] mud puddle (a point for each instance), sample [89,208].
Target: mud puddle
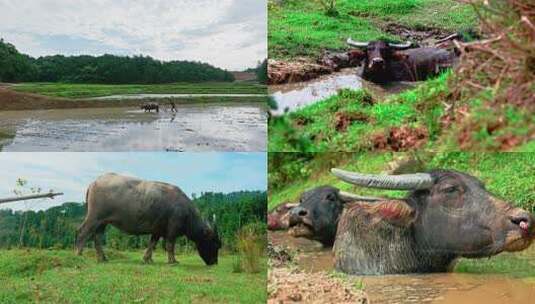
[293,96]
[207,127]
[444,288]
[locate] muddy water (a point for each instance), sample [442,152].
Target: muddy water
[445,288]
[207,127]
[293,96]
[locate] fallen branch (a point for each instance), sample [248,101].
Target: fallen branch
[50,195]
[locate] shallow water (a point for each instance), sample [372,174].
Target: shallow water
[292,96]
[206,127]
[445,288]
[163,96]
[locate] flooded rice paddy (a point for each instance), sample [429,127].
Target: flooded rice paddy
[169,96]
[205,127]
[444,288]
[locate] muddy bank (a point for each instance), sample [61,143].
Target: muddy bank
[194,127]
[15,101]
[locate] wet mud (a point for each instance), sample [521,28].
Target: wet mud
[444,288]
[206,127]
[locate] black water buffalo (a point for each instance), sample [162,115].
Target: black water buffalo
[149,106]
[385,62]
[447,215]
[140,207]
[316,216]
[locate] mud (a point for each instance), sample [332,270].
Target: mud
[312,261]
[207,127]
[400,139]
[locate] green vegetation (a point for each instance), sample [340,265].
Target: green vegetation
[58,276]
[305,28]
[69,90]
[109,69]
[507,175]
[56,226]
[519,265]
[354,121]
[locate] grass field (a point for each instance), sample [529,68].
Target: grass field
[58,276]
[69,90]
[507,175]
[301,28]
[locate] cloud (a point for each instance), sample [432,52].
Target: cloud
[227,33]
[72,172]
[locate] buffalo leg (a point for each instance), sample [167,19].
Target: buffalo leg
[147,258]
[85,232]
[170,247]
[98,238]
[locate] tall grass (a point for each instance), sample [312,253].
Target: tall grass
[251,246]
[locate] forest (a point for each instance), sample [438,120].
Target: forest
[104,69]
[56,226]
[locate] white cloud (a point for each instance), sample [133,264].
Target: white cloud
[226,33]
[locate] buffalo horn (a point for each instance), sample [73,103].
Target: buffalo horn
[415,181]
[351,42]
[403,46]
[347,196]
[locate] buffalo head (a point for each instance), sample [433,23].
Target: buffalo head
[450,213]
[316,216]
[378,57]
[209,244]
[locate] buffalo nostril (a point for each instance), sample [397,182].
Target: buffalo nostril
[302,213]
[522,222]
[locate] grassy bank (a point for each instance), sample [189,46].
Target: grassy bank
[71,90]
[58,276]
[414,119]
[302,28]
[507,175]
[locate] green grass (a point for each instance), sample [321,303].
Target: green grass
[301,28]
[51,276]
[71,90]
[312,128]
[507,175]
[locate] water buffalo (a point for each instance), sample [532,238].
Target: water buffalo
[385,62]
[447,215]
[149,106]
[140,207]
[316,216]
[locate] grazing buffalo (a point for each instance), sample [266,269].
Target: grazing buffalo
[139,207]
[447,215]
[385,62]
[316,216]
[149,106]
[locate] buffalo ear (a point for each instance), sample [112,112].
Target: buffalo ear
[395,212]
[399,56]
[356,55]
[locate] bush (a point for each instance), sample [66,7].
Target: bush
[251,243]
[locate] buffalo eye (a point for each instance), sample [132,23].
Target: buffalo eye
[450,189]
[331,197]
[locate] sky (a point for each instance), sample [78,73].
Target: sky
[229,34]
[72,172]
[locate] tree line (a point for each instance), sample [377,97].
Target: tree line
[56,227]
[105,69]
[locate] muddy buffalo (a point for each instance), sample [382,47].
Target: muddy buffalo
[446,215]
[385,62]
[316,216]
[149,106]
[139,207]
